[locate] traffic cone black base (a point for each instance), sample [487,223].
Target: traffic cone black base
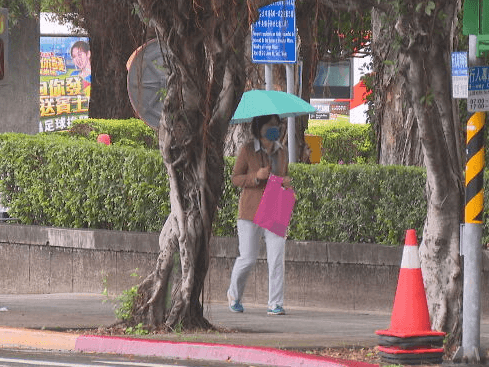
[410,360]
[408,335]
[433,341]
[411,356]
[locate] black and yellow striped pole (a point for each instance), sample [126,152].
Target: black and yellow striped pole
[474,169]
[472,237]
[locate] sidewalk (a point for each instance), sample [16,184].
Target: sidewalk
[300,328]
[254,336]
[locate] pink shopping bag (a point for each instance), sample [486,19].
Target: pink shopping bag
[275,207]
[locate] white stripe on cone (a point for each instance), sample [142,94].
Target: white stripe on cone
[410,258]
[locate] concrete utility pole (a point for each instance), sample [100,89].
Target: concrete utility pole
[290,89]
[472,234]
[476,26]
[268,77]
[291,120]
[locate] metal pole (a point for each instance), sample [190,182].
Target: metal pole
[268,77]
[291,120]
[472,233]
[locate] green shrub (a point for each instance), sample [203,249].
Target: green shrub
[225,219]
[126,303]
[130,132]
[54,181]
[344,203]
[338,203]
[76,183]
[346,143]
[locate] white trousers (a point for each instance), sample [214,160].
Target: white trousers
[249,246]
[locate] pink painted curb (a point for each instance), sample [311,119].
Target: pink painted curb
[206,351]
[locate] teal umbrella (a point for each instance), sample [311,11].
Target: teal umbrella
[269,102]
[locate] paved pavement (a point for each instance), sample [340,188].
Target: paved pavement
[41,321]
[299,328]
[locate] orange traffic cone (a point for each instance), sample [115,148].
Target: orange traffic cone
[410,316]
[409,339]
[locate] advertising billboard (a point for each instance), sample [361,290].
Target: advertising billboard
[339,93]
[65,81]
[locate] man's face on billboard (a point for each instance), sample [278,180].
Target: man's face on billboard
[80,58]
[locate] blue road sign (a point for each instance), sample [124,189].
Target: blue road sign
[273,35]
[459,64]
[460,75]
[478,94]
[479,78]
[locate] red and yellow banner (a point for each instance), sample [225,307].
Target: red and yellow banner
[65,81]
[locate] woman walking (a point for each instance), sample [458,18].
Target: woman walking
[258,158]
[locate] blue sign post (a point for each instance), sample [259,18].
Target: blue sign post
[273,36]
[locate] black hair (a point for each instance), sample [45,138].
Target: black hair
[259,121]
[82,45]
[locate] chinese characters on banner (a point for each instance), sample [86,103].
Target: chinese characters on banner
[460,78]
[478,93]
[65,81]
[273,35]
[329,109]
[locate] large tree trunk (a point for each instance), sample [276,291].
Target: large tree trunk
[114,35]
[204,40]
[426,42]
[255,79]
[394,121]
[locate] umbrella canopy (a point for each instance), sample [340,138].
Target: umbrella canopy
[269,102]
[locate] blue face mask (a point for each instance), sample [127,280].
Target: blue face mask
[272,133]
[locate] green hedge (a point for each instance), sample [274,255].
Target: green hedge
[346,143]
[357,203]
[338,203]
[54,181]
[131,132]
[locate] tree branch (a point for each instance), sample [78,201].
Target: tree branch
[350,5]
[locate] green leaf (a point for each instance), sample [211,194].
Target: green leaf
[430,7]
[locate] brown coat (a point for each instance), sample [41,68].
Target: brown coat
[250,159]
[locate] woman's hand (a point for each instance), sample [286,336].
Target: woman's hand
[287,182]
[263,173]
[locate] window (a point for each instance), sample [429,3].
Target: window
[333,80]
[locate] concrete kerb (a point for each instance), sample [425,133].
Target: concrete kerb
[37,339]
[50,340]
[207,351]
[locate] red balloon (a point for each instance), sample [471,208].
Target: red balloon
[103,138]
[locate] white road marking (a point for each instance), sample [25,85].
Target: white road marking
[71,364]
[47,363]
[139,364]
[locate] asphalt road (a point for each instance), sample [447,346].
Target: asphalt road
[25,358]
